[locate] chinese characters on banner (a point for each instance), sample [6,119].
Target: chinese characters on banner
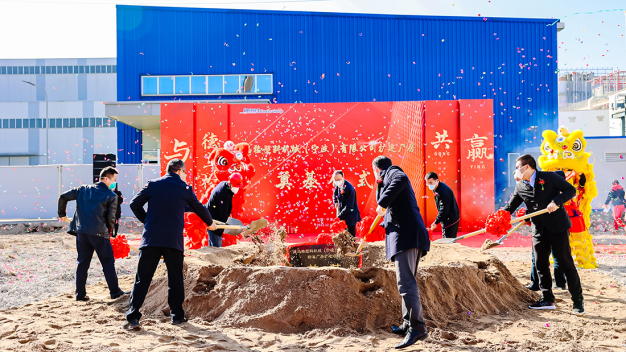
[477,178]
[442,150]
[293,150]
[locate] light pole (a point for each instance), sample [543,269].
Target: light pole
[47,120]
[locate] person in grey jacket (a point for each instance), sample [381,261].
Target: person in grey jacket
[93,225]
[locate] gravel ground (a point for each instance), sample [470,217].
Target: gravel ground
[613,265]
[35,267]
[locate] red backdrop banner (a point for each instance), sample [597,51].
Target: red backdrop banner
[442,149]
[477,169]
[288,152]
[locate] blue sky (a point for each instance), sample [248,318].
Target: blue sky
[594,34]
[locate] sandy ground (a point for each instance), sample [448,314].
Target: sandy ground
[40,313]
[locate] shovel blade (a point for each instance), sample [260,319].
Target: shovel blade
[234,232]
[445,240]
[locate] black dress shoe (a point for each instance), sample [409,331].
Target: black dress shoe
[411,338]
[400,330]
[84,299]
[532,288]
[120,294]
[179,321]
[132,325]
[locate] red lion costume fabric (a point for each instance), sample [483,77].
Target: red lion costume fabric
[225,161]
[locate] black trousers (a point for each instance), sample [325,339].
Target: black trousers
[352,230]
[149,258]
[406,267]
[450,231]
[545,243]
[85,246]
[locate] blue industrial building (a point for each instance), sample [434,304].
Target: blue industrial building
[287,57]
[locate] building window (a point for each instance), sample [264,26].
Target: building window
[21,70]
[5,123]
[92,69]
[97,69]
[149,85]
[182,85]
[198,85]
[207,85]
[216,84]
[72,123]
[36,70]
[3,70]
[231,84]
[86,122]
[92,122]
[79,122]
[99,122]
[18,123]
[38,123]
[114,68]
[166,85]
[52,123]
[33,123]
[59,69]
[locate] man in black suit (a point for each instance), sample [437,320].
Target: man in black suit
[447,208]
[541,190]
[168,198]
[344,198]
[220,204]
[406,242]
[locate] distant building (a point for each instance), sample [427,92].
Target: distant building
[589,100]
[77,90]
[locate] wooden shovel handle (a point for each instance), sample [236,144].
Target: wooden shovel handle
[231,227]
[528,216]
[376,220]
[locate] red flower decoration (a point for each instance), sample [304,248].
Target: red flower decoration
[363,227]
[324,238]
[499,222]
[120,247]
[338,226]
[542,182]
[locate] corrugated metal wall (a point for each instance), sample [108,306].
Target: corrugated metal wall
[325,57]
[128,144]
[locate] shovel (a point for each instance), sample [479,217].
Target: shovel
[454,240]
[254,226]
[490,244]
[359,250]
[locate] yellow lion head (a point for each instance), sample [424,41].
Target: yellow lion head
[564,151]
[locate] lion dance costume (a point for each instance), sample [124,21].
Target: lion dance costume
[566,151]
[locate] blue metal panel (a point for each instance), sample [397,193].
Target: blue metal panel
[128,144]
[330,57]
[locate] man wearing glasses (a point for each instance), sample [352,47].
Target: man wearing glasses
[168,198]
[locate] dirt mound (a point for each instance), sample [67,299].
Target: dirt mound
[455,282]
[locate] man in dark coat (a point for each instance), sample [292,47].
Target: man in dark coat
[92,225]
[406,242]
[546,190]
[220,204]
[344,198]
[447,208]
[168,198]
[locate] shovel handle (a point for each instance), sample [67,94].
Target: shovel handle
[528,216]
[471,234]
[231,227]
[376,220]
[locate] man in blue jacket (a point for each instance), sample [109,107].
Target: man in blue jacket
[344,198]
[92,225]
[168,198]
[220,204]
[406,242]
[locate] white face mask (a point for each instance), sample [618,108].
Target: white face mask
[376,174]
[519,175]
[234,189]
[432,187]
[339,183]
